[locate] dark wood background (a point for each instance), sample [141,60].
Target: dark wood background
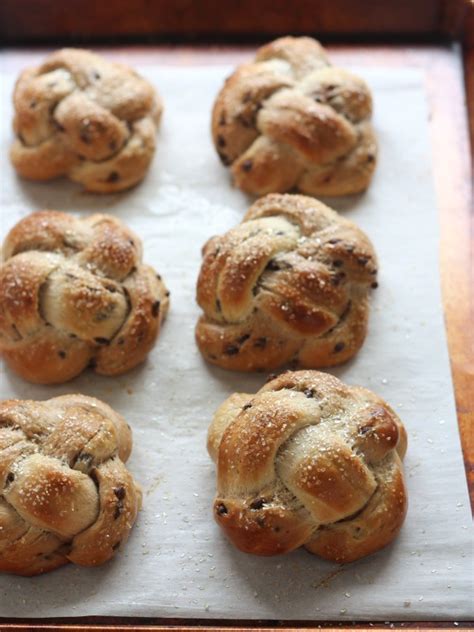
[28,21]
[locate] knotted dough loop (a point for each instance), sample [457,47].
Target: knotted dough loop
[290,120]
[290,283]
[73,293]
[65,493]
[81,116]
[308,461]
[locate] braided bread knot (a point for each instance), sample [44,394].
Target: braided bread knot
[309,461]
[82,116]
[73,293]
[290,283]
[290,120]
[65,493]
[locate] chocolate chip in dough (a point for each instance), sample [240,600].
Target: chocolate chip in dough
[260,343]
[221,509]
[102,341]
[231,350]
[257,504]
[113,176]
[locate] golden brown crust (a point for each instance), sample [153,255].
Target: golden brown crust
[290,120]
[288,284]
[309,461]
[374,527]
[73,293]
[81,116]
[66,493]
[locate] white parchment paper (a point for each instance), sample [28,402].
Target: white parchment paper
[177,563]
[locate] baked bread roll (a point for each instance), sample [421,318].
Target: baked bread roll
[66,495]
[289,284]
[308,461]
[81,116]
[73,293]
[290,120]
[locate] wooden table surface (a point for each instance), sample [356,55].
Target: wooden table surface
[443,71]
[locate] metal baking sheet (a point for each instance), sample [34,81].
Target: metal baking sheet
[177,563]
